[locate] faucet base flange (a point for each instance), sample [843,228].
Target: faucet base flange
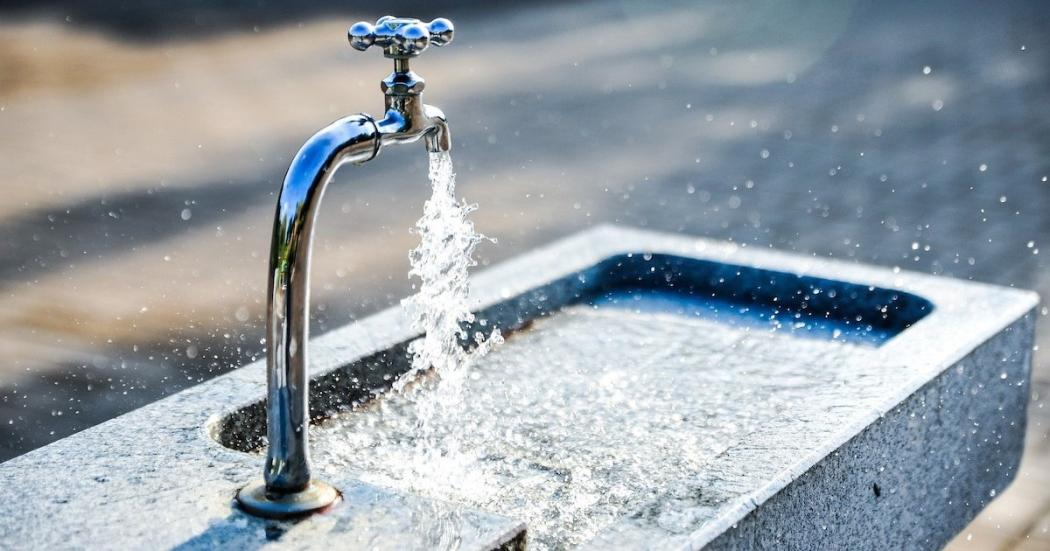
[255,500]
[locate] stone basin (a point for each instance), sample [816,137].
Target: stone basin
[654,391]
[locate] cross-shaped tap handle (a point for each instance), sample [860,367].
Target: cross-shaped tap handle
[400,37]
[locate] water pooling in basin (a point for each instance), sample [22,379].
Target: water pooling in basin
[598,409]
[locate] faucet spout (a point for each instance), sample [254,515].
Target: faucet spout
[439,138]
[407,123]
[352,139]
[288,488]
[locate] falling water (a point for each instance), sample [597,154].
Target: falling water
[441,308]
[441,311]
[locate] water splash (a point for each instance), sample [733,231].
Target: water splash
[441,312]
[441,262]
[598,413]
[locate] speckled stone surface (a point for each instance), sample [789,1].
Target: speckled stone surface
[919,474]
[908,470]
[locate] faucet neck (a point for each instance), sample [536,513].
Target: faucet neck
[403,81]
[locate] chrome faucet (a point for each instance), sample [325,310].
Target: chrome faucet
[287,488]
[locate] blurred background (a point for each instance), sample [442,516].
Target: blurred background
[141,146]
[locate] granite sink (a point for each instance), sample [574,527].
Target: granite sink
[653,391]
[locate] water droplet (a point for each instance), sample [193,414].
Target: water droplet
[241,314]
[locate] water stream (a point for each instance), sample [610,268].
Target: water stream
[440,310]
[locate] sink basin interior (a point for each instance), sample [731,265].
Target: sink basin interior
[615,383]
